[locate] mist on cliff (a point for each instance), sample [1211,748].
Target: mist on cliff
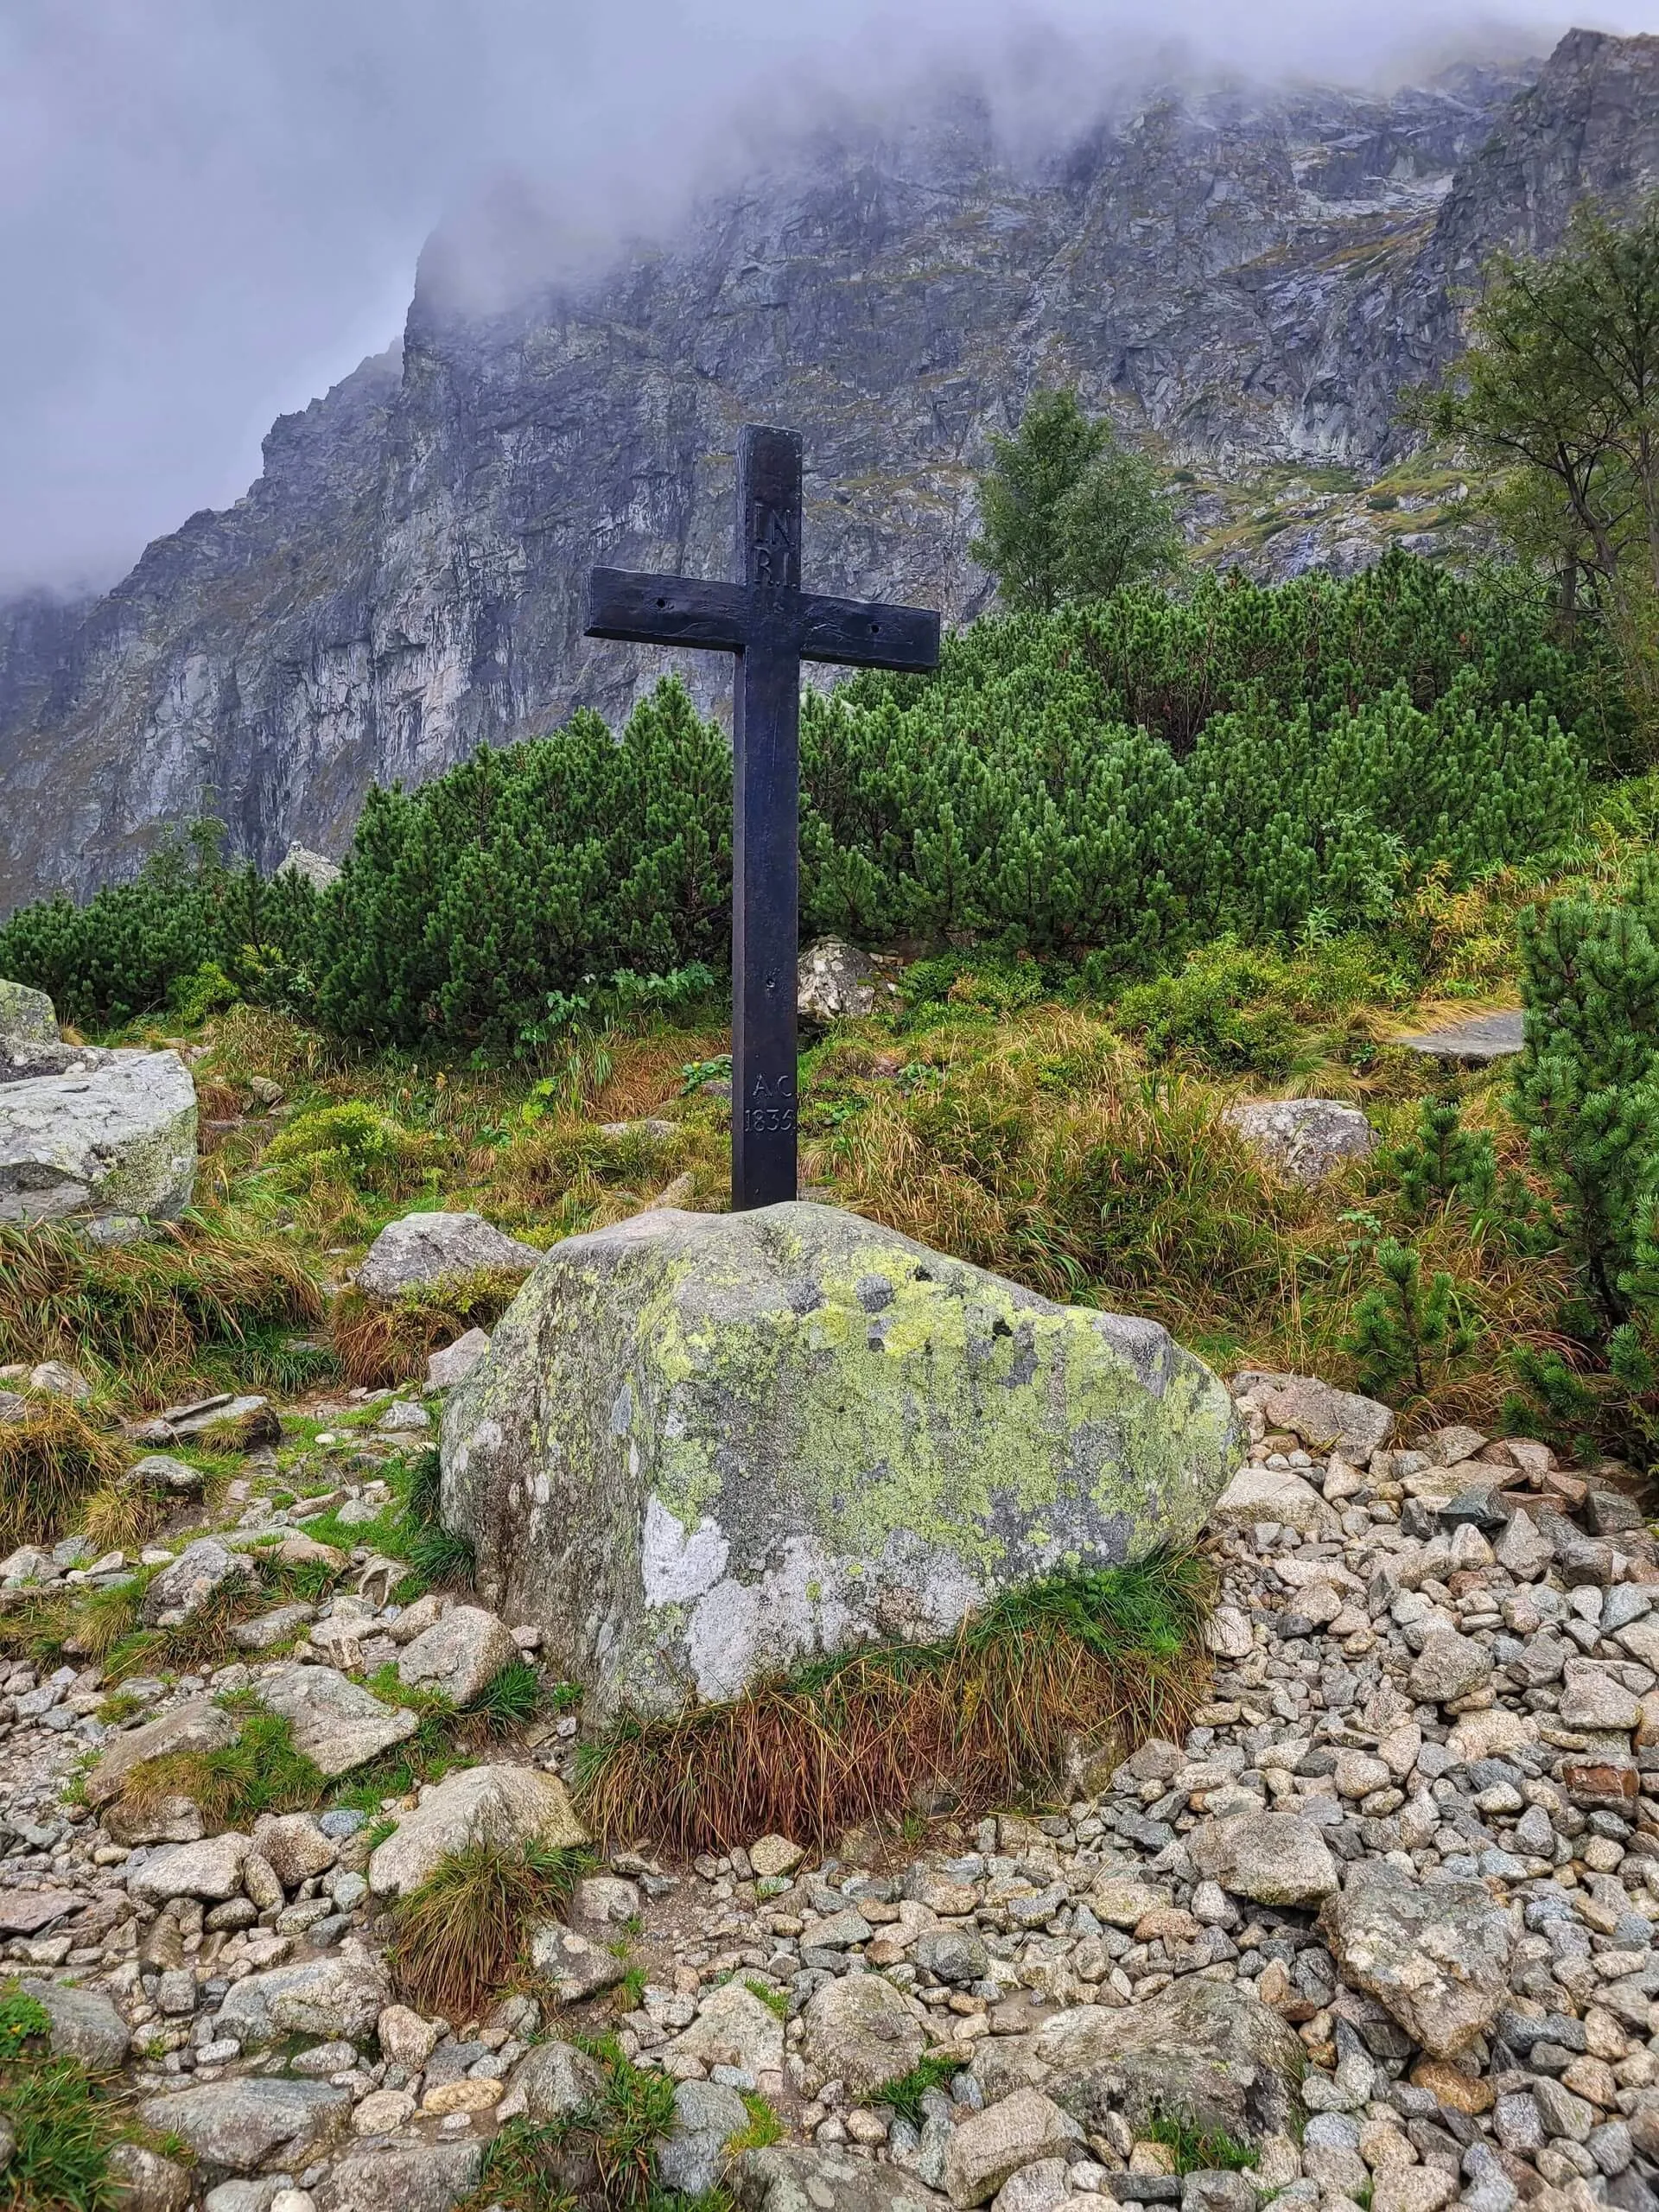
[211,209]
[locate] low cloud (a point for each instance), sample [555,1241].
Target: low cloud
[212,209]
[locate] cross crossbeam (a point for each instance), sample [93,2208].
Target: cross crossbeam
[771,625]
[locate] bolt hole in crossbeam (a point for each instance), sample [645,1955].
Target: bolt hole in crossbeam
[771,625]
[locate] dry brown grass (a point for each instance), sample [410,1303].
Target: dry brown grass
[380,1344]
[217,1100]
[51,1461]
[250,1040]
[981,1720]
[646,1072]
[155,1305]
[1044,1150]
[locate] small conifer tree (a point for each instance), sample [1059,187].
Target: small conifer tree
[1587,1086]
[1441,1160]
[1069,511]
[1406,1336]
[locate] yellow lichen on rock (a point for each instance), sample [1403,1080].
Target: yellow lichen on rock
[704,1446]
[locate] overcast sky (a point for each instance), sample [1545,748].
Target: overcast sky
[210,210]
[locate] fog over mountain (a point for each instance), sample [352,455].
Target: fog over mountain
[1243,237]
[211,209]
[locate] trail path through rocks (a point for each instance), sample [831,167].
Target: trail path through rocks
[1387,1912]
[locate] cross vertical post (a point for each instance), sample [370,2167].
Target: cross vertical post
[771,625]
[766,791]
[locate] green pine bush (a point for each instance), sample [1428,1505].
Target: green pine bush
[1441,1160]
[528,876]
[1586,1088]
[188,931]
[1408,1334]
[1110,785]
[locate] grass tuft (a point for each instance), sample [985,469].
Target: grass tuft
[260,1772]
[436,1555]
[981,1718]
[525,2170]
[460,1935]
[773,1998]
[107,1626]
[906,2091]
[64,2134]
[1199,2150]
[764,2126]
[51,1461]
[120,1515]
[153,1307]
[508,1701]
[619,2133]
[377,1344]
[63,2129]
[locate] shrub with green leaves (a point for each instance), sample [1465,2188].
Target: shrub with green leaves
[530,873]
[188,930]
[1586,1092]
[1587,1089]
[353,1141]
[1068,510]
[1124,778]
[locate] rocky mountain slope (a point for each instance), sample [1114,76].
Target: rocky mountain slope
[1253,280]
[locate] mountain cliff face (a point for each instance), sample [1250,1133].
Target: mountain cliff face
[1251,280]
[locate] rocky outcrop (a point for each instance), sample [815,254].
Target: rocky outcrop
[1212,2051]
[112,1138]
[426,1251]
[703,1447]
[835,983]
[1252,281]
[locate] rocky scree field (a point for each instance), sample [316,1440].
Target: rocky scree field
[318,1893]
[301,1907]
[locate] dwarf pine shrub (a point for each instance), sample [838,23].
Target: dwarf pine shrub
[1587,1087]
[1121,780]
[188,930]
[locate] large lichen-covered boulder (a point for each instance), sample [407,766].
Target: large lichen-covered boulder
[704,1448]
[117,1137]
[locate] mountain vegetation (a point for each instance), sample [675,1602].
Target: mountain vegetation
[1070,512]
[1558,393]
[1127,855]
[1106,786]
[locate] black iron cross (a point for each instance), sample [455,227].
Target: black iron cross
[772,626]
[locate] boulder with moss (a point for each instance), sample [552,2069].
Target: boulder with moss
[705,1447]
[29,1042]
[114,1138]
